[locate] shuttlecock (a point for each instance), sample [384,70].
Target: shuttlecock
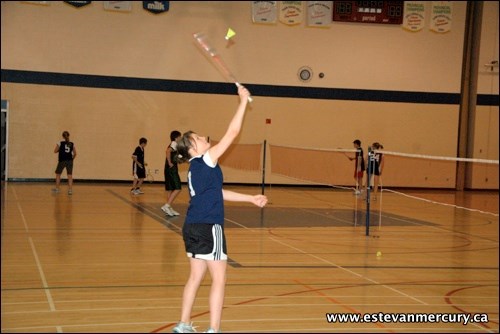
[230,33]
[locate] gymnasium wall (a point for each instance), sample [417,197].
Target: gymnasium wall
[412,79]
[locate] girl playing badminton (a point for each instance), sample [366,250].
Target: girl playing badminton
[203,229]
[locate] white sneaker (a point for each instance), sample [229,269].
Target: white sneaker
[174,212]
[182,327]
[168,210]
[138,191]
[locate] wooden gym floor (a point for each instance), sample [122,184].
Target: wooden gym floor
[103,260]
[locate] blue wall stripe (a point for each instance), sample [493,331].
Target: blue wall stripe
[183,86]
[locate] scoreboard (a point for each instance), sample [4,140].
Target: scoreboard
[386,12]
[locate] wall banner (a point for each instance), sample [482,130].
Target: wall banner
[44,3]
[119,6]
[441,15]
[156,7]
[291,12]
[319,13]
[414,15]
[264,11]
[78,4]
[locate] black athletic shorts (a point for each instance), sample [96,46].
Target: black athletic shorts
[68,164]
[140,173]
[172,178]
[205,241]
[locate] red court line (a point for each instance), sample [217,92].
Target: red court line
[450,302]
[347,307]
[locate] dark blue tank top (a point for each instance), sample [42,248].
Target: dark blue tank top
[205,181]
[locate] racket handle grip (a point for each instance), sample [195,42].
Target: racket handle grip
[250,99]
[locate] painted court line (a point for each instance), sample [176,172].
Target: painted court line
[350,271]
[46,289]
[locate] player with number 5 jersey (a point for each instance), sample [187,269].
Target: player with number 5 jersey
[66,154]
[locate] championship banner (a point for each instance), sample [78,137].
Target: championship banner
[119,6]
[319,13]
[156,7]
[291,12]
[78,4]
[44,3]
[441,13]
[414,15]
[264,11]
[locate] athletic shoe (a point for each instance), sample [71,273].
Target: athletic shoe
[168,210]
[132,190]
[138,191]
[211,330]
[182,327]
[164,208]
[357,192]
[174,212]
[70,192]
[55,190]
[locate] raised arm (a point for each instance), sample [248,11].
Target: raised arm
[234,127]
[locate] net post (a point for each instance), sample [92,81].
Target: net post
[264,167]
[368,185]
[263,180]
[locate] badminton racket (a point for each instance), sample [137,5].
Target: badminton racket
[202,40]
[348,157]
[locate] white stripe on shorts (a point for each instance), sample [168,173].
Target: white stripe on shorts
[218,242]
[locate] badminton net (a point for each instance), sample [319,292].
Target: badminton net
[440,172]
[412,188]
[246,157]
